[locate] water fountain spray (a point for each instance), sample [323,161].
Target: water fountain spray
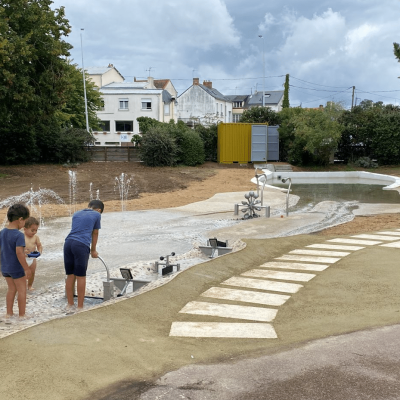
[123,183]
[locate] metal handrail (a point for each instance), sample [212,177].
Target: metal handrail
[258,187]
[284,180]
[108,271]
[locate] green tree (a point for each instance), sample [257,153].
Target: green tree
[312,135]
[41,93]
[285,103]
[261,115]
[396,50]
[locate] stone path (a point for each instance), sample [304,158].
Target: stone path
[265,287]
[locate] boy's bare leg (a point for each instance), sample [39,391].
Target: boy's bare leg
[32,278]
[81,289]
[69,289]
[10,297]
[20,284]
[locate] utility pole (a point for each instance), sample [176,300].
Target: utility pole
[352,97]
[263,97]
[84,86]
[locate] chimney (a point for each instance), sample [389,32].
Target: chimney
[110,66]
[208,84]
[321,107]
[196,81]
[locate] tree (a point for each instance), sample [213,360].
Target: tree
[396,51]
[285,103]
[40,91]
[313,134]
[261,115]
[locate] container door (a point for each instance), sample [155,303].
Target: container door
[273,143]
[259,143]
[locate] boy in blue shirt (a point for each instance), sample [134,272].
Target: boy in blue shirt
[81,241]
[13,262]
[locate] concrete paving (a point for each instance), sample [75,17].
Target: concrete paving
[216,332]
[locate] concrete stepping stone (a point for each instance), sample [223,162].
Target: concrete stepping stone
[294,257]
[293,265]
[335,247]
[393,244]
[223,330]
[389,233]
[354,241]
[230,311]
[263,284]
[246,296]
[375,237]
[285,276]
[320,253]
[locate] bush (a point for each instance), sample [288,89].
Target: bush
[158,148]
[209,136]
[366,162]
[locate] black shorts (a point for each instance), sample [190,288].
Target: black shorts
[76,258]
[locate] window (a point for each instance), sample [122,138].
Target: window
[123,104]
[124,126]
[112,143]
[236,117]
[146,104]
[166,109]
[105,126]
[98,143]
[101,108]
[237,104]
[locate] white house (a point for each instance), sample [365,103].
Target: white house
[203,104]
[124,102]
[272,99]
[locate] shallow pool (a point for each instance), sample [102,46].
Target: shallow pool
[313,194]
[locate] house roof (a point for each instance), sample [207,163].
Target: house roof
[126,85]
[214,93]
[271,97]
[128,88]
[240,97]
[100,70]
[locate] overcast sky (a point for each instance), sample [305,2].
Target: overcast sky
[327,47]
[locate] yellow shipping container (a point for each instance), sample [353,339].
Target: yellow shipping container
[234,142]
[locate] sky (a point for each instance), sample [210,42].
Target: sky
[326,47]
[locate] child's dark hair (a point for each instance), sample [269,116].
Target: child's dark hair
[31,221]
[17,211]
[96,204]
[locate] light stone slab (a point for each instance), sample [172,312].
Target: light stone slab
[354,241]
[230,311]
[223,330]
[335,247]
[389,233]
[292,265]
[263,284]
[375,237]
[285,276]
[246,296]
[320,253]
[393,244]
[294,257]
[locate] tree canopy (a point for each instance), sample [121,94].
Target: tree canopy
[40,93]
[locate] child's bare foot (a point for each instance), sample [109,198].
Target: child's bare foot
[8,318]
[70,309]
[31,289]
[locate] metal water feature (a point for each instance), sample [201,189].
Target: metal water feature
[250,206]
[166,267]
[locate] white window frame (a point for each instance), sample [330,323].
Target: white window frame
[145,104]
[123,104]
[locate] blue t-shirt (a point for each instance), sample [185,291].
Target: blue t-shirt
[10,239]
[83,224]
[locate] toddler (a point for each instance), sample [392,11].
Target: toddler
[32,243]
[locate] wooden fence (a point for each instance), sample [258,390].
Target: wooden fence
[114,153]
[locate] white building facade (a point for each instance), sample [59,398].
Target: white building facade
[203,104]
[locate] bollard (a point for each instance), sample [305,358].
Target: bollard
[108,290]
[236,209]
[267,211]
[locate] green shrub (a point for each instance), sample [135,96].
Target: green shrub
[158,148]
[366,162]
[209,135]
